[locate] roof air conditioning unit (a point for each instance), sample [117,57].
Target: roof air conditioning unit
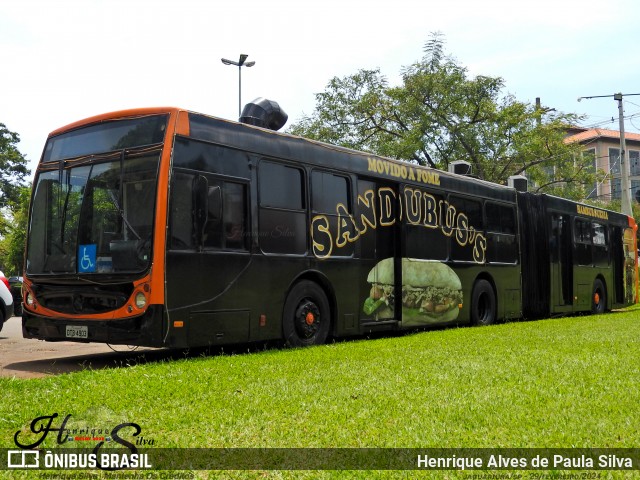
[519,182]
[460,167]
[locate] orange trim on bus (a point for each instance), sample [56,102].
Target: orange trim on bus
[176,123]
[151,285]
[128,310]
[131,113]
[182,123]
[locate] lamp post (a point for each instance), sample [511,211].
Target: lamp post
[240,63]
[624,164]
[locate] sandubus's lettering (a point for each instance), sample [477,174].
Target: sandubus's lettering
[406,172]
[378,209]
[592,212]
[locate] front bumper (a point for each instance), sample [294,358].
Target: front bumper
[147,330]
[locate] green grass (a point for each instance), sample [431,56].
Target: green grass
[567,382]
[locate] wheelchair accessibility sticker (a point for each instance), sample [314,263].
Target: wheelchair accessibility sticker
[87,258]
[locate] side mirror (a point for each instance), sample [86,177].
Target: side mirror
[215,203]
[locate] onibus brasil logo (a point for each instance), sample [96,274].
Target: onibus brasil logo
[30,456]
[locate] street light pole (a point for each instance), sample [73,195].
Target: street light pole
[240,63]
[625,172]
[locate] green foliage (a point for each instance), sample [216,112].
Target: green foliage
[14,203]
[440,114]
[13,225]
[13,167]
[569,382]
[519,384]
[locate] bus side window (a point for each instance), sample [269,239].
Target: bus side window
[330,198]
[463,231]
[600,245]
[227,216]
[182,236]
[501,238]
[282,214]
[234,216]
[423,236]
[582,242]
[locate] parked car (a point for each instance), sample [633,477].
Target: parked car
[6,300]
[15,287]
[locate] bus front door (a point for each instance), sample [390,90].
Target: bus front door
[377,213]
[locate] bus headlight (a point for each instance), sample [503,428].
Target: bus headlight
[29,300]
[140,300]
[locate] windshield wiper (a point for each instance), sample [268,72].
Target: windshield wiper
[122,214]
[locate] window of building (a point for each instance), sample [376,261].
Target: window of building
[634,162]
[614,160]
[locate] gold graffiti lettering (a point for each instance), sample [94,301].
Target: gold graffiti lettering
[387,199]
[462,230]
[479,248]
[322,243]
[368,215]
[381,208]
[448,216]
[412,201]
[347,229]
[430,210]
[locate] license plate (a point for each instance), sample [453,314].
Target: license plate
[74,331]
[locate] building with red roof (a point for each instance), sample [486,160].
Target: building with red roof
[603,146]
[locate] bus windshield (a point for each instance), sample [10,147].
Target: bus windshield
[94,215]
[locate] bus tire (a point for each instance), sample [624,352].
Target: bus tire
[306,318]
[483,304]
[598,297]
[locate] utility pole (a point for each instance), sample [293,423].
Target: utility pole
[625,168]
[625,172]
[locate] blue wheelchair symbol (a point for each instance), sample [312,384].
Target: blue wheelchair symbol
[86,258]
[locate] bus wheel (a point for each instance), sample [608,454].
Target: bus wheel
[599,297]
[483,304]
[306,318]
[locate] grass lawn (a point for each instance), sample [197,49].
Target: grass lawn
[567,382]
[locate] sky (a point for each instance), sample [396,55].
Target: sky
[71,59]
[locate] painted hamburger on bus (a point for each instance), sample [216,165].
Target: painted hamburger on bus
[431,292]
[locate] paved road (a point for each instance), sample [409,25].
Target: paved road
[25,358]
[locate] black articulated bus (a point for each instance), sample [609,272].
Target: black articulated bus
[167,228]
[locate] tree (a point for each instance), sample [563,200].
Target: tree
[13,227]
[440,114]
[14,202]
[13,167]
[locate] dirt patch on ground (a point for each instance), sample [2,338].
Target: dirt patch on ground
[27,358]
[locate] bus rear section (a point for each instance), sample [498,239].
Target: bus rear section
[575,257]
